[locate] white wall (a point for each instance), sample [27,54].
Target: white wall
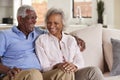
[16,5]
[109,11]
[6,8]
[66,5]
[117,14]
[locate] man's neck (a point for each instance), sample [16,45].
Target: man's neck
[23,30]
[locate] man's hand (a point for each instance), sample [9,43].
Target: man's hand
[80,43]
[12,72]
[8,71]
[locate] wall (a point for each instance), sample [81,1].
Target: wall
[112,10]
[6,9]
[109,12]
[16,5]
[66,5]
[117,14]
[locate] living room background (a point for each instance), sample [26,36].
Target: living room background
[111,12]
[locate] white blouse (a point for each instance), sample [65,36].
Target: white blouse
[50,51]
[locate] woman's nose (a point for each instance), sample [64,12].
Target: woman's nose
[52,25]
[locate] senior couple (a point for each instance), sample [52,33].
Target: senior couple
[29,53]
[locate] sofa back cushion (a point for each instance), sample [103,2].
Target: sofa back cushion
[116,57]
[92,36]
[107,35]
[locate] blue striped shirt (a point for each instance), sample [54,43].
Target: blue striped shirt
[17,50]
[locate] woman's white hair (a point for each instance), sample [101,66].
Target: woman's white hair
[52,11]
[22,10]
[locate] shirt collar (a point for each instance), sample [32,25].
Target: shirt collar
[63,37]
[17,31]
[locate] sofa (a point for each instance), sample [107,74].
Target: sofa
[98,50]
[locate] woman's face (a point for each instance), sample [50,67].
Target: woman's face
[55,25]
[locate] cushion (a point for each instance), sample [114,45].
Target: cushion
[116,57]
[107,46]
[92,36]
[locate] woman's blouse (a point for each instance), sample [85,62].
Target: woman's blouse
[51,51]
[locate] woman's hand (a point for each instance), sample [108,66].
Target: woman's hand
[67,67]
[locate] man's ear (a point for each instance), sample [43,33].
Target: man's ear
[19,18]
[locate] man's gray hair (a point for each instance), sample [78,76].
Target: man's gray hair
[52,11]
[22,10]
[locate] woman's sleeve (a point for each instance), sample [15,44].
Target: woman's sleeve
[78,57]
[41,54]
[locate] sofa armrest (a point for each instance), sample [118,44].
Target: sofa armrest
[107,34]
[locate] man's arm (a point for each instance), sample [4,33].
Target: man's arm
[11,72]
[80,42]
[3,69]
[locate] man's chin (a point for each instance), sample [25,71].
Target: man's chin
[31,29]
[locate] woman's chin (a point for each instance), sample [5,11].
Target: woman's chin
[52,33]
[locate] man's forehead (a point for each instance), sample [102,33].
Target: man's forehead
[29,11]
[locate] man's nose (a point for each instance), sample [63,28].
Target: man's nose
[34,20]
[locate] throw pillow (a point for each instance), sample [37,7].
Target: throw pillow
[116,57]
[107,46]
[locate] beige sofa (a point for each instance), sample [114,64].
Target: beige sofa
[98,48]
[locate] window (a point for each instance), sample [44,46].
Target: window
[82,8]
[40,7]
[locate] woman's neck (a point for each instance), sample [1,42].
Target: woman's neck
[58,36]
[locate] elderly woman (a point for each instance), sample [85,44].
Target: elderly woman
[57,50]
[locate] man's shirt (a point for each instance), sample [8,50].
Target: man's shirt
[17,50]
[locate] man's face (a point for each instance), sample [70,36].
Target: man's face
[28,22]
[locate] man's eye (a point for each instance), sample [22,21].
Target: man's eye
[48,22]
[55,23]
[33,17]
